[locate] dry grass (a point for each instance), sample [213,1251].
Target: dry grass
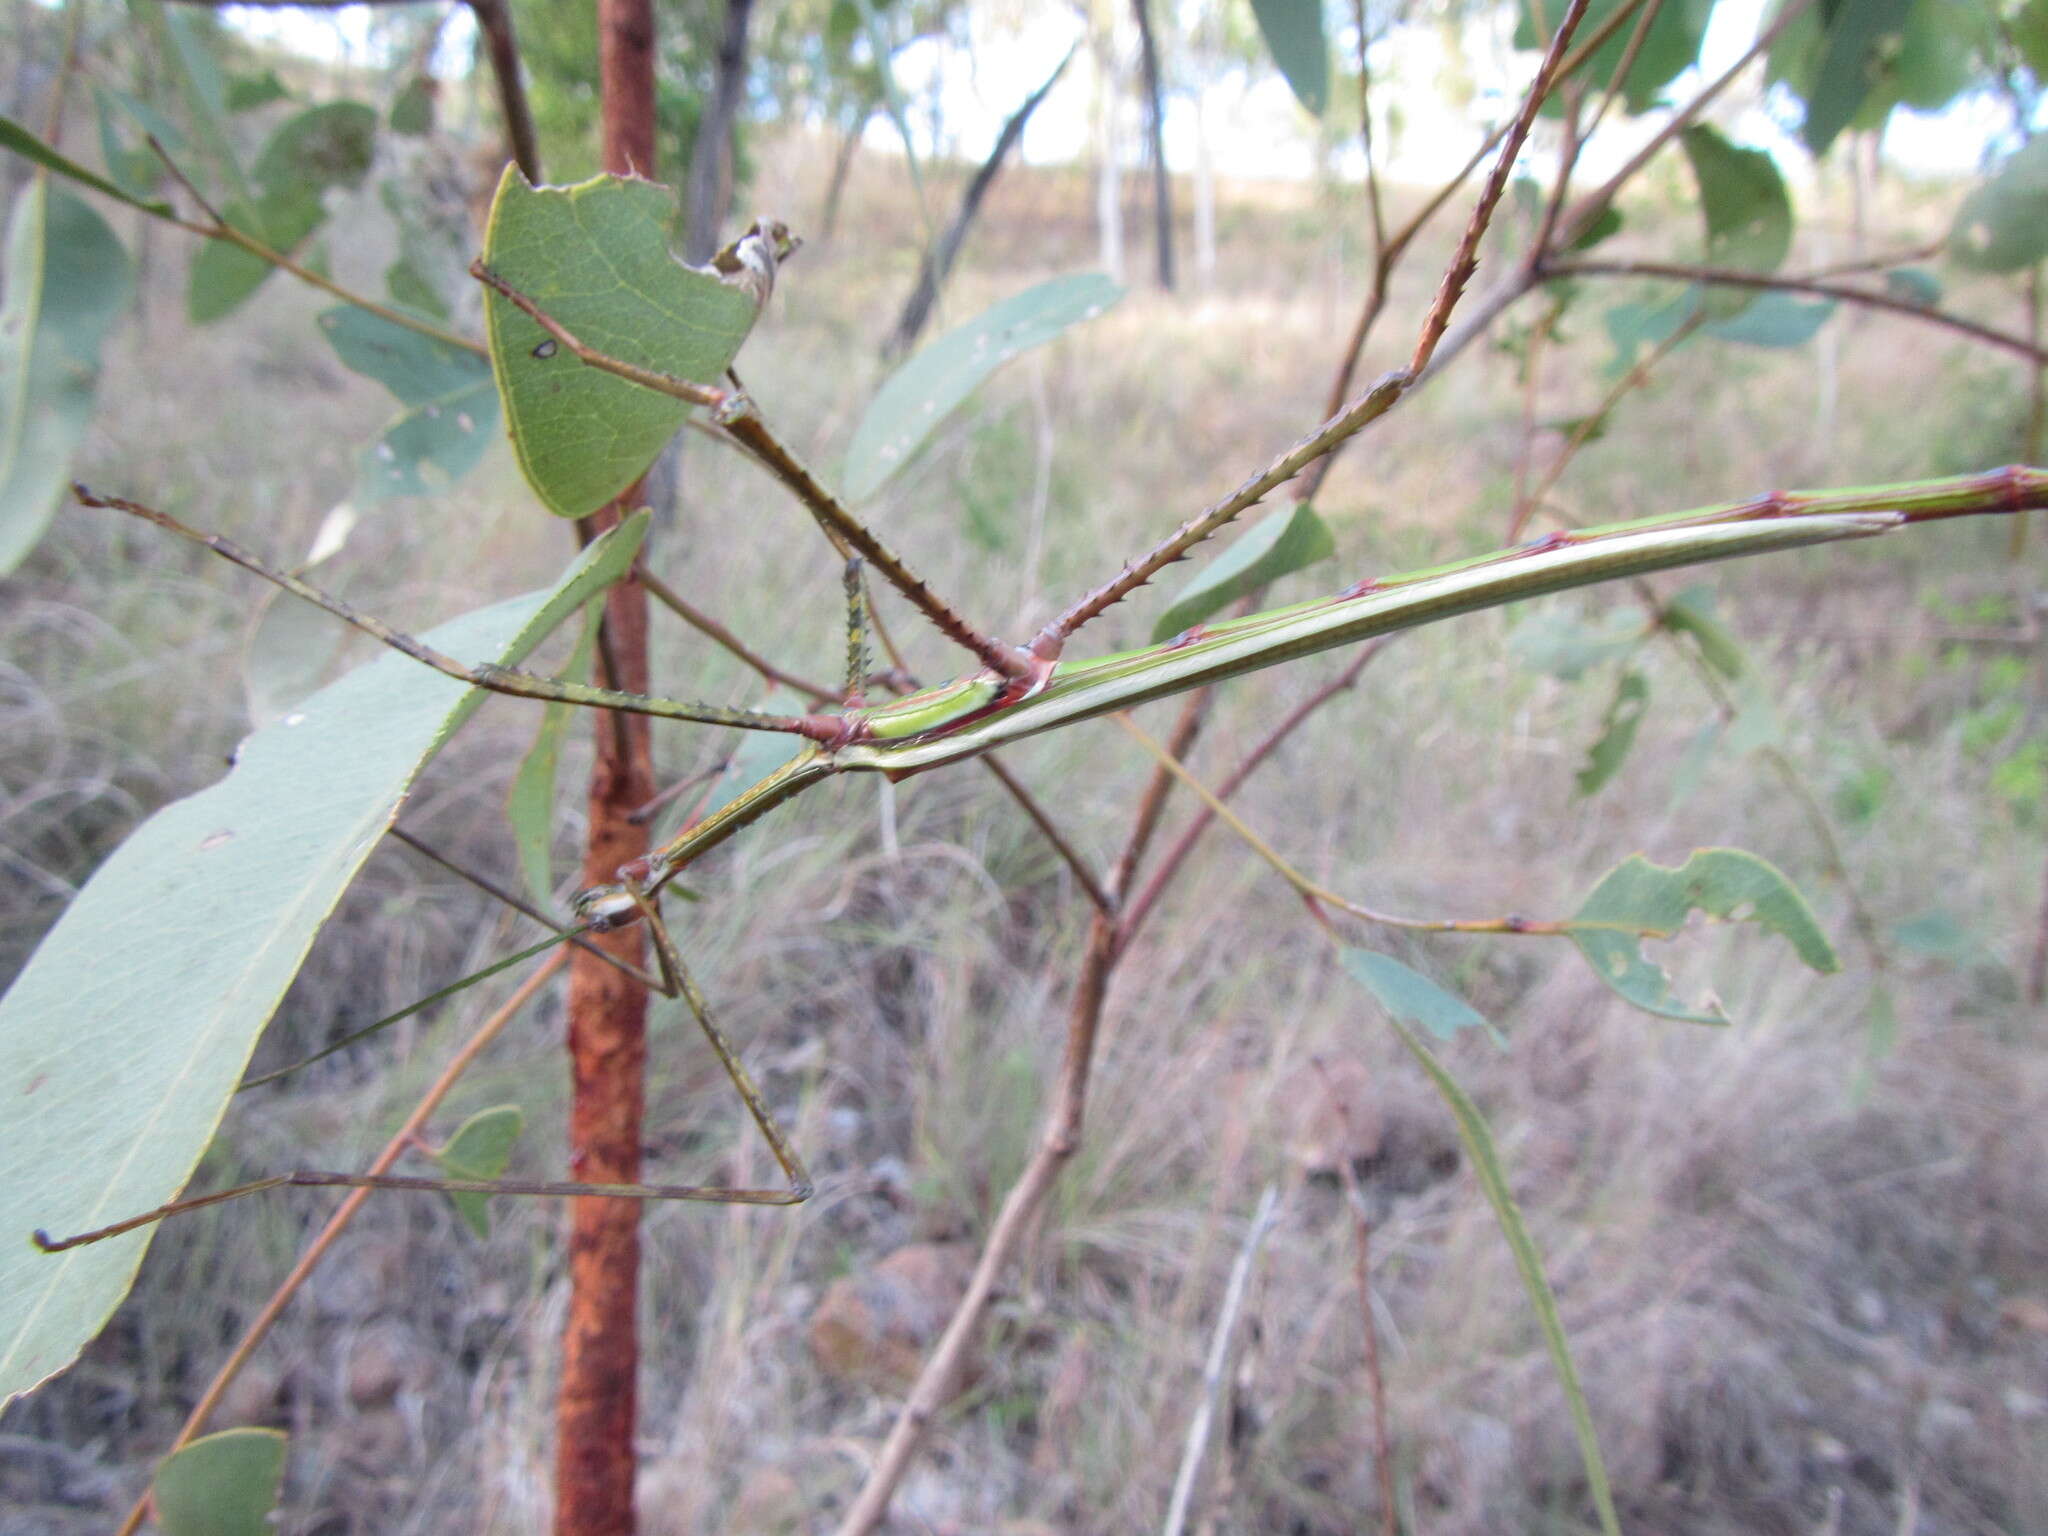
[1805,1271]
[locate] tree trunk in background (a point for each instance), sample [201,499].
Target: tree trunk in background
[1205,202]
[710,194]
[842,166]
[595,1404]
[1109,191]
[1162,184]
[939,261]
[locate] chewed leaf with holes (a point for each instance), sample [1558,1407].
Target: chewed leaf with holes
[119,1058]
[920,393]
[1638,899]
[452,414]
[595,259]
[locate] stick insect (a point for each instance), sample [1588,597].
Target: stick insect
[1024,689]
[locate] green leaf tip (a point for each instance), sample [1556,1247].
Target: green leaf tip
[480,1149]
[1413,998]
[1638,899]
[224,1484]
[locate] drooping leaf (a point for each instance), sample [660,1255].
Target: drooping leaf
[1293,30]
[1412,998]
[1617,732]
[68,279]
[1565,646]
[1743,199]
[224,275]
[595,258]
[221,1485]
[17,138]
[480,1149]
[123,1057]
[1486,1167]
[1670,46]
[1279,546]
[2003,224]
[1691,612]
[918,396]
[1638,899]
[453,415]
[530,802]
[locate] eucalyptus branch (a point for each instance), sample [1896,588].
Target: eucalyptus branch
[494,22]
[1730,277]
[736,414]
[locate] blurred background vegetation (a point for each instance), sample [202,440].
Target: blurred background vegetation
[1804,1259]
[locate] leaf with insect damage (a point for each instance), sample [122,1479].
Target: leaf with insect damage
[595,259]
[452,414]
[126,1033]
[1279,546]
[479,1150]
[68,280]
[918,396]
[1638,899]
[221,1485]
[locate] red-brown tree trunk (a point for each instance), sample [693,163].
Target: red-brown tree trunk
[594,1409]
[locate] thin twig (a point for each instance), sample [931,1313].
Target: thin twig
[494,21]
[345,1213]
[1104,902]
[704,624]
[1217,1370]
[1466,259]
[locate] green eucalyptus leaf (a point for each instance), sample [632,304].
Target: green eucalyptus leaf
[319,149]
[1493,1180]
[224,275]
[1638,899]
[1413,998]
[2030,36]
[191,40]
[920,394]
[1773,319]
[1293,30]
[125,1058]
[479,1150]
[68,280]
[224,1484]
[410,290]
[412,110]
[135,169]
[1671,45]
[17,138]
[1743,199]
[453,404]
[595,258]
[2003,224]
[245,93]
[1858,36]
[1617,732]
[1691,612]
[1913,285]
[1566,646]
[1279,546]
[1606,224]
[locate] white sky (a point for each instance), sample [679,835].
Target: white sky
[1254,127]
